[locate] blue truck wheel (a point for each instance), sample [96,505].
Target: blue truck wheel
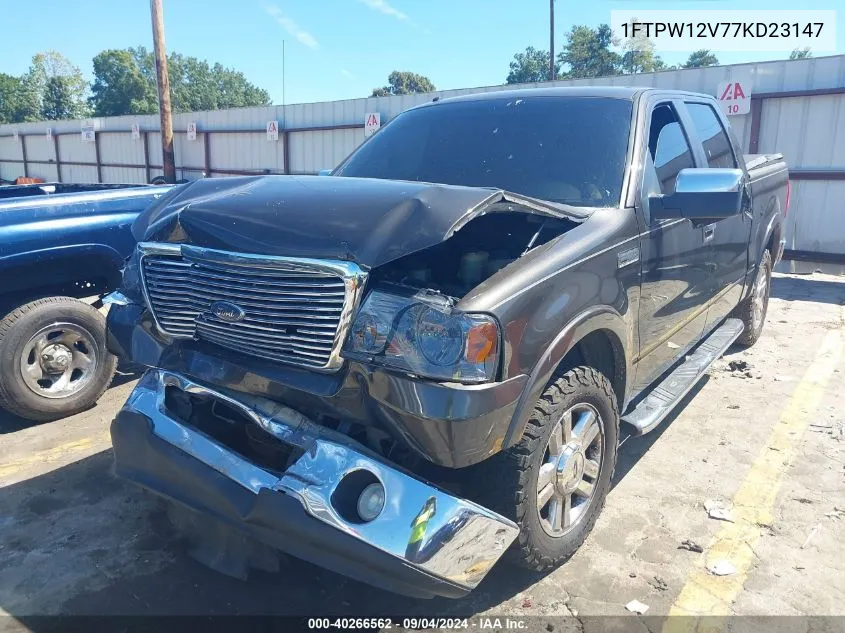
[53,358]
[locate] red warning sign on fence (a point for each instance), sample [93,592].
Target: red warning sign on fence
[734,97]
[272,130]
[372,123]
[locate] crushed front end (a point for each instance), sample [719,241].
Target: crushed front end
[308,402]
[309,491]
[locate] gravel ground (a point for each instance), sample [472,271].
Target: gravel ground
[75,540]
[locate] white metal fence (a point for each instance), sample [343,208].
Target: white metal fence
[798,108]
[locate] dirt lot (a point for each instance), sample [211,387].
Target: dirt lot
[763,435]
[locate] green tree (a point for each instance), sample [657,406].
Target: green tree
[530,67]
[17,102]
[124,83]
[52,88]
[52,76]
[586,53]
[57,102]
[404,83]
[194,84]
[145,61]
[191,85]
[119,86]
[801,53]
[644,61]
[234,91]
[639,56]
[700,59]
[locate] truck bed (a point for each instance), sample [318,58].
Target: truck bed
[757,161]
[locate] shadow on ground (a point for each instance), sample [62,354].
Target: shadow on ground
[10,423]
[809,288]
[113,577]
[184,587]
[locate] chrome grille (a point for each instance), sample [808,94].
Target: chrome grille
[294,310]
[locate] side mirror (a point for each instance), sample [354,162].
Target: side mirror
[701,195]
[325,172]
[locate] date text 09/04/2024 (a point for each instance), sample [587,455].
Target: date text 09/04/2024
[481,623]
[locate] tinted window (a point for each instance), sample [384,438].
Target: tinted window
[712,135]
[669,148]
[563,149]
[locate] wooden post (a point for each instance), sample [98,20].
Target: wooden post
[58,157]
[167,158]
[146,137]
[97,157]
[22,137]
[206,138]
[756,115]
[286,152]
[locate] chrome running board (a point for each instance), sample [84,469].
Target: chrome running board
[666,394]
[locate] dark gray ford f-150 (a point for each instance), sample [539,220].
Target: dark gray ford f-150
[404,370]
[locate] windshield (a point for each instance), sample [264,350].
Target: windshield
[561,149]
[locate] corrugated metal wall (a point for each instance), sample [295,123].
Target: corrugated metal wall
[809,130]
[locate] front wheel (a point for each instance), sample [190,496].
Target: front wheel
[554,482]
[53,358]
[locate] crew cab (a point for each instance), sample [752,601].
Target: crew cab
[59,245]
[419,364]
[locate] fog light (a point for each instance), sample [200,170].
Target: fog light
[371,502]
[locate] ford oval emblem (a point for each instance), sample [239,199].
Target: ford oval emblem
[227,311]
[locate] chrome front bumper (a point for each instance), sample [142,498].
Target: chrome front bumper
[459,543]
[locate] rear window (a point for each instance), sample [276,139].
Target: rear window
[712,135]
[562,149]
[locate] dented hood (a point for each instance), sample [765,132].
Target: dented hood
[367,221]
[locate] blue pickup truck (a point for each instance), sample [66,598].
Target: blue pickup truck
[60,244]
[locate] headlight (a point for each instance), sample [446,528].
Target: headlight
[422,334]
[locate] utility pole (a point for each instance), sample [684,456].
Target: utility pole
[283,72]
[551,40]
[167,160]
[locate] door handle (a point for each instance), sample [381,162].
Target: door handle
[709,232]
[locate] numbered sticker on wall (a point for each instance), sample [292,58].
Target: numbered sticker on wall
[372,123]
[88,134]
[192,131]
[734,97]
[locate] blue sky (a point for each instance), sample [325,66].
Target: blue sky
[335,49]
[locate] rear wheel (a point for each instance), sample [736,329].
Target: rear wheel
[752,311]
[554,482]
[53,358]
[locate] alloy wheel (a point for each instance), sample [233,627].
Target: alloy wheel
[569,474]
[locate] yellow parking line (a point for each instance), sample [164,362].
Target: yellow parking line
[708,595]
[50,458]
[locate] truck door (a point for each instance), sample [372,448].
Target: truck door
[727,238]
[674,290]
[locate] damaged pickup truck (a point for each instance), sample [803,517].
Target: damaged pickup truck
[418,364]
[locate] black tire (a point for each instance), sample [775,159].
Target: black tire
[745,311]
[17,330]
[509,479]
